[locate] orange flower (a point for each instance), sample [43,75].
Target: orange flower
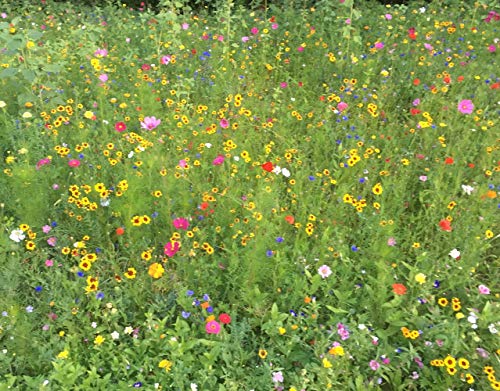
[399,289]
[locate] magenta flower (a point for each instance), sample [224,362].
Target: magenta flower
[212,327]
[218,160]
[150,123]
[224,123]
[42,162]
[74,163]
[254,30]
[466,106]
[171,248]
[181,223]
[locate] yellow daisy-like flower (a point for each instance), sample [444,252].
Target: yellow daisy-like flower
[99,340]
[63,355]
[166,364]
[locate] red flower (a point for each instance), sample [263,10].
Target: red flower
[416,82]
[399,289]
[449,160]
[268,166]
[445,225]
[120,231]
[224,318]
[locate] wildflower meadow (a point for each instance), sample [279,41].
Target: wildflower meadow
[290,195]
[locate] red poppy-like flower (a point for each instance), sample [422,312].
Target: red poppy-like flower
[449,160]
[224,318]
[445,225]
[399,289]
[268,166]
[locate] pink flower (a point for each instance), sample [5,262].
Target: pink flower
[388,16]
[342,106]
[254,30]
[324,271]
[224,123]
[492,48]
[391,241]
[379,45]
[212,327]
[300,49]
[182,163]
[49,263]
[218,160]
[74,163]
[181,223]
[103,78]
[165,60]
[101,53]
[120,126]
[274,26]
[185,26]
[483,289]
[283,84]
[52,241]
[46,229]
[171,249]
[374,365]
[423,178]
[150,123]
[244,39]
[466,106]
[42,162]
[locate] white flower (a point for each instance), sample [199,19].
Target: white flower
[115,335]
[128,330]
[455,254]
[93,325]
[105,201]
[285,172]
[17,235]
[422,10]
[194,387]
[208,145]
[492,328]
[277,170]
[467,189]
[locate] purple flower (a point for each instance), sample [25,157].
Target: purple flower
[150,123]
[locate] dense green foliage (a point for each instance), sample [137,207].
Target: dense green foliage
[297,197]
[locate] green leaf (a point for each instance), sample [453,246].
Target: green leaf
[337,310]
[8,72]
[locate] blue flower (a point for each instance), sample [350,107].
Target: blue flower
[99,295]
[38,288]
[185,314]
[189,293]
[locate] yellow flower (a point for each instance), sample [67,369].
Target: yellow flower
[165,364]
[420,278]
[99,340]
[326,363]
[64,354]
[156,270]
[337,351]
[488,234]
[282,330]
